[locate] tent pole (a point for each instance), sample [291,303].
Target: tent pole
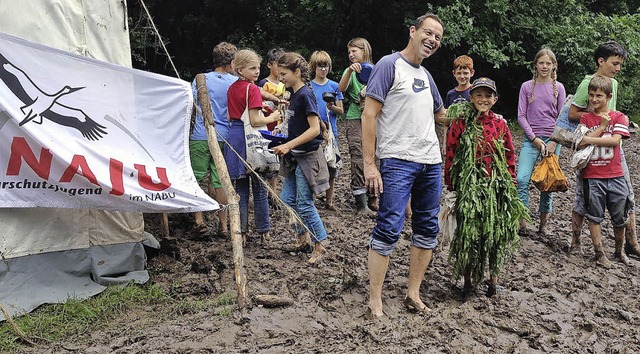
[232,196]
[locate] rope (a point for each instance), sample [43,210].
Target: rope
[159,37]
[292,213]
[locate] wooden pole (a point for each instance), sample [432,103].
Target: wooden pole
[232,196]
[165,225]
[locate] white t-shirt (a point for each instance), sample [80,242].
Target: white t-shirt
[406,123]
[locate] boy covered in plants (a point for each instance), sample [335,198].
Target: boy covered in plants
[480,165]
[603,177]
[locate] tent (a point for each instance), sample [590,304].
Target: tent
[50,255]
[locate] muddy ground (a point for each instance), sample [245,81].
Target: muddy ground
[551,301]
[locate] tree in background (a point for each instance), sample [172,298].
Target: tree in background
[500,35]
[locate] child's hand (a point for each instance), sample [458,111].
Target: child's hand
[281,150]
[275,116]
[329,106]
[540,145]
[604,120]
[551,148]
[356,67]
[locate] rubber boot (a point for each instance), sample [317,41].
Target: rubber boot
[361,205]
[619,250]
[601,258]
[542,229]
[631,247]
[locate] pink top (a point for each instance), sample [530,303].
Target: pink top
[538,118]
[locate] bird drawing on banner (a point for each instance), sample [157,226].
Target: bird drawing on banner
[39,104]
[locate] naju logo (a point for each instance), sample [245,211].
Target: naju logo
[39,105]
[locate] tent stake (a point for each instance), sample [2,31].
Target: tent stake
[232,196]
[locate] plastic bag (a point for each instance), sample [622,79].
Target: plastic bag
[447,217]
[331,149]
[259,157]
[581,157]
[548,176]
[563,133]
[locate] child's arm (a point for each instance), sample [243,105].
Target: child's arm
[523,104]
[336,108]
[510,152]
[308,135]
[595,133]
[269,96]
[452,143]
[258,120]
[343,85]
[609,141]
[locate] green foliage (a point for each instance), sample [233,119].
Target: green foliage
[488,209]
[505,34]
[502,36]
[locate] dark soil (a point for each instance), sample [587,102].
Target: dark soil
[550,301]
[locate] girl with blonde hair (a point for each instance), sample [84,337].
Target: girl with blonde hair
[245,95]
[539,103]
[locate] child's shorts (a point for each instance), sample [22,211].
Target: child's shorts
[612,193]
[579,205]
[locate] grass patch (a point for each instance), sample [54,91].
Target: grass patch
[54,323]
[191,306]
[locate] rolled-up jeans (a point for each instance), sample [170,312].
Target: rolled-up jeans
[526,163]
[400,180]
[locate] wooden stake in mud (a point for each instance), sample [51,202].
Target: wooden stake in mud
[232,196]
[165,224]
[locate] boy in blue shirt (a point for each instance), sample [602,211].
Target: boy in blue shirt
[218,82]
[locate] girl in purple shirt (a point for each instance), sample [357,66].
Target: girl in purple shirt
[539,102]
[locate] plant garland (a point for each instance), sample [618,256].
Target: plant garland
[488,210]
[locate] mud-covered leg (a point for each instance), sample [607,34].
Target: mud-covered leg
[542,228]
[576,231]
[631,246]
[619,233]
[596,238]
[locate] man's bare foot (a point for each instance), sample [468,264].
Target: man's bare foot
[415,305]
[372,315]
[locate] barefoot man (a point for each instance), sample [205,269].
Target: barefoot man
[401,109]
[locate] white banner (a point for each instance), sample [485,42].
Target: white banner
[81,133]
